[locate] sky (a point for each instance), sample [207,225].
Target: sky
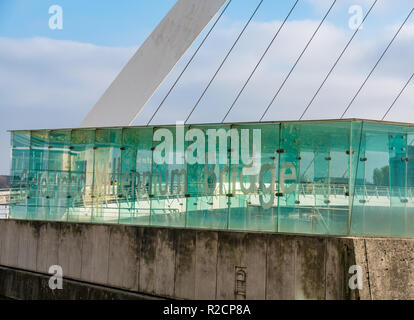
[52,78]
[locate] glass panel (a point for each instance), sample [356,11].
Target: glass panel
[354,155]
[81,175]
[208,183]
[254,205]
[167,207]
[371,205]
[19,174]
[314,171]
[107,193]
[398,181]
[409,197]
[136,176]
[58,173]
[358,187]
[39,194]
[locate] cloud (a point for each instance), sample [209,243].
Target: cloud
[52,74]
[47,83]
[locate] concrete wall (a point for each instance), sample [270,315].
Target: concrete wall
[388,266]
[25,285]
[198,264]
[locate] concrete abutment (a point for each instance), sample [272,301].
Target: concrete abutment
[141,261]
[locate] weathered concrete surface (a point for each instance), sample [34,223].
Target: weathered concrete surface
[47,246]
[201,264]
[124,254]
[390,265]
[206,265]
[17,284]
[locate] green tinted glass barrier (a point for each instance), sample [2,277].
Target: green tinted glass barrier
[339,177]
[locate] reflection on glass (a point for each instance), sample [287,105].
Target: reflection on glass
[316,177]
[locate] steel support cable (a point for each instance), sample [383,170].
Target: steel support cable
[260,61]
[190,61]
[398,96]
[297,61]
[377,63]
[337,61]
[224,60]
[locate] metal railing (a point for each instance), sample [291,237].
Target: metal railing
[322,191]
[4,203]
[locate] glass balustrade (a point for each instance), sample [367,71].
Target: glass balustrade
[334,177]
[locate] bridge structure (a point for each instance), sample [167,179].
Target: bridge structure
[256,210]
[4,203]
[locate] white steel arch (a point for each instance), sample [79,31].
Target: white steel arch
[143,74]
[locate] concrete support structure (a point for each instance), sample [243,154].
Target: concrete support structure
[18,284]
[198,264]
[153,61]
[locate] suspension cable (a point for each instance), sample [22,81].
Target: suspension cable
[224,60]
[190,61]
[297,61]
[398,96]
[376,64]
[260,60]
[337,61]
